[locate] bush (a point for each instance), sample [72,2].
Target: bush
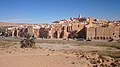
[73,34]
[28,41]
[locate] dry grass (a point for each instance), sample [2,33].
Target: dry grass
[6,43]
[114,45]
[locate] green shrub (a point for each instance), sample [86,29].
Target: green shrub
[115,56]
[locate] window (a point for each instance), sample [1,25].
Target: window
[94,37]
[113,33]
[97,37]
[104,38]
[91,37]
[109,37]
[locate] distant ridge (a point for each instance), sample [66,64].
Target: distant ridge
[11,24]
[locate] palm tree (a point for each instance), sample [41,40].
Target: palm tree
[28,41]
[73,34]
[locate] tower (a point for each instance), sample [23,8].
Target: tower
[80,16]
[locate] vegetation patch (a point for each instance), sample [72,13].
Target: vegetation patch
[117,46]
[28,41]
[113,54]
[115,57]
[5,43]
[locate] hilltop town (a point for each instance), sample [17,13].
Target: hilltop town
[76,42]
[85,28]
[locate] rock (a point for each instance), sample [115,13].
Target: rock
[67,57]
[10,52]
[72,62]
[76,54]
[22,51]
[93,62]
[108,60]
[2,49]
[113,64]
[40,48]
[103,60]
[117,60]
[83,56]
[102,65]
[6,51]
[65,52]
[98,61]
[47,54]
[95,65]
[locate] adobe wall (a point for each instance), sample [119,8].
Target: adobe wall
[30,29]
[36,32]
[90,33]
[102,33]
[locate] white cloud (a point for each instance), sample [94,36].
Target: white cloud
[17,19]
[21,20]
[25,20]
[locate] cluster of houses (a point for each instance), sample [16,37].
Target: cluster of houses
[87,28]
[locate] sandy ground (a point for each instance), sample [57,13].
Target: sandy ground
[17,57]
[54,55]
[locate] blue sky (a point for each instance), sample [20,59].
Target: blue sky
[45,11]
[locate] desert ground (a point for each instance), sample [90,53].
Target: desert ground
[59,53]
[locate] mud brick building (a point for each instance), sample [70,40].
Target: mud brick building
[87,28]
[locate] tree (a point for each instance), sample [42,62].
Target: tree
[2,29]
[73,34]
[28,41]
